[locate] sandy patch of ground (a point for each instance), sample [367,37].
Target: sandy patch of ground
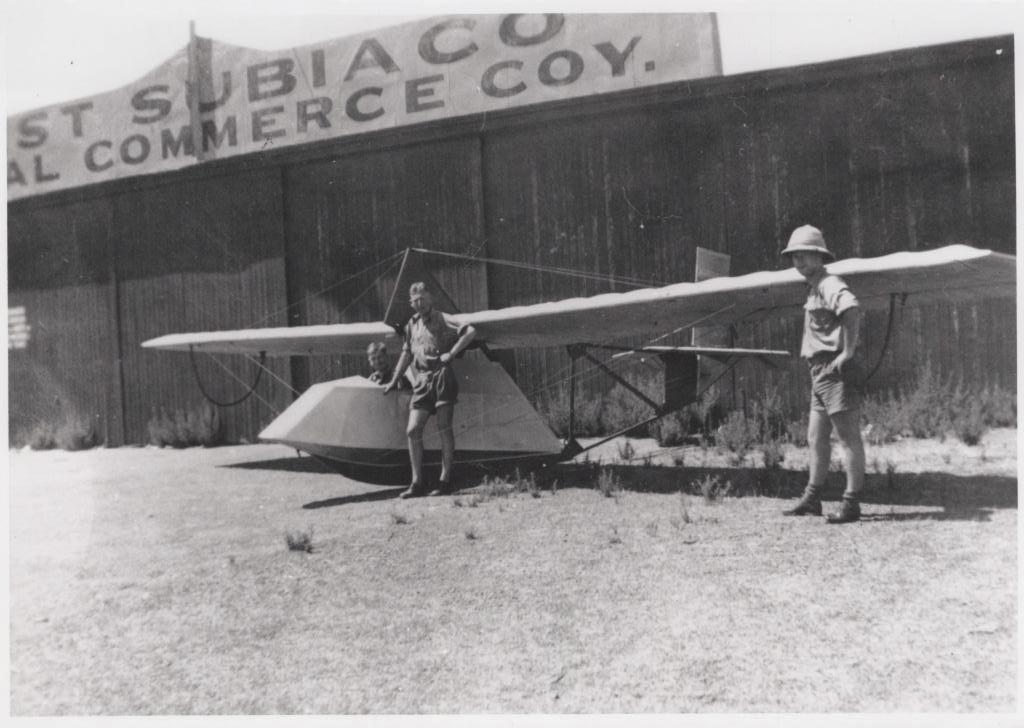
[149,581]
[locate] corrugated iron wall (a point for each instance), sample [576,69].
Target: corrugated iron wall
[197,257]
[903,151]
[100,276]
[61,270]
[349,218]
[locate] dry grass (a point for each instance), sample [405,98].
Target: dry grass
[149,581]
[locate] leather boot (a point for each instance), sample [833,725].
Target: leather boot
[808,505]
[848,512]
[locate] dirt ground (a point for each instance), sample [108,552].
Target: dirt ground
[147,581]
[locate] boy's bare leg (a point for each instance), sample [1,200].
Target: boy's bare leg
[819,449]
[414,432]
[847,425]
[445,416]
[819,446]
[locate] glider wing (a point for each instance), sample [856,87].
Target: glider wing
[949,274]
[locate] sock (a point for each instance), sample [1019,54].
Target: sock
[811,492]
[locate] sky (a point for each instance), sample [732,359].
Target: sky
[59,50]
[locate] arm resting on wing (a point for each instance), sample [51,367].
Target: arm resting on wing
[467,337]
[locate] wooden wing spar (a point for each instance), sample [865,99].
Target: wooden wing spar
[952,273]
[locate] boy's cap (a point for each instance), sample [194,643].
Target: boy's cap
[808,239]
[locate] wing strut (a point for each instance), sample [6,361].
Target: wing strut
[682,381]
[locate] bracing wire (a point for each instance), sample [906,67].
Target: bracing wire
[556,270]
[261,364]
[270,372]
[234,376]
[209,397]
[391,259]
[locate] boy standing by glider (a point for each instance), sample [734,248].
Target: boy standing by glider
[831,328]
[432,340]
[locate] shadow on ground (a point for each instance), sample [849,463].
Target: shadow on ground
[971,497]
[302,464]
[375,495]
[958,496]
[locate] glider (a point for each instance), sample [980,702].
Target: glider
[362,433]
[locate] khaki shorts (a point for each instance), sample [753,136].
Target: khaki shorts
[435,389]
[835,392]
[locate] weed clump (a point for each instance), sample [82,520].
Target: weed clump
[42,436]
[712,488]
[75,432]
[608,483]
[300,540]
[200,426]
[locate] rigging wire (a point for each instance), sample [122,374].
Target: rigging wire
[555,270]
[270,372]
[209,397]
[391,259]
[234,376]
[261,363]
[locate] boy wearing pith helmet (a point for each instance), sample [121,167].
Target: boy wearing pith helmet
[831,329]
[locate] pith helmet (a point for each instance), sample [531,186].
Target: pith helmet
[808,239]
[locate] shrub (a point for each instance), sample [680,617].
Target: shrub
[998,407]
[796,431]
[622,409]
[932,407]
[969,422]
[769,416]
[708,410]
[673,428]
[885,418]
[77,432]
[927,405]
[201,426]
[772,452]
[555,409]
[42,436]
[737,434]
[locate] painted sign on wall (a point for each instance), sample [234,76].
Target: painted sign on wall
[212,100]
